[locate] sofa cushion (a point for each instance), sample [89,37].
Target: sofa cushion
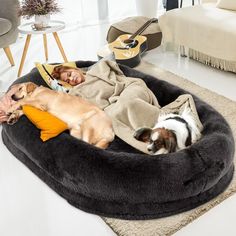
[227,4]
[202,22]
[5,26]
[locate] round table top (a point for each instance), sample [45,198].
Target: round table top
[53,26]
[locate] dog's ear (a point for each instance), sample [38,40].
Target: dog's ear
[30,87]
[170,143]
[143,134]
[14,87]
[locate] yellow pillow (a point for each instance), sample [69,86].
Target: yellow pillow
[49,125]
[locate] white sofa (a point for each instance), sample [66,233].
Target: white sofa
[207,33]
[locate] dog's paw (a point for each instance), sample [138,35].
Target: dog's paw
[13,118]
[9,113]
[13,109]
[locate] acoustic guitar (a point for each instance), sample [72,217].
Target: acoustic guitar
[127,49]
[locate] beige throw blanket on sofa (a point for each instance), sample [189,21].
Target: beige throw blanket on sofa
[204,28]
[127,100]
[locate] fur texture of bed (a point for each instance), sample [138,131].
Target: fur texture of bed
[120,181]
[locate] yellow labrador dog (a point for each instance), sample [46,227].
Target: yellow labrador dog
[85,120]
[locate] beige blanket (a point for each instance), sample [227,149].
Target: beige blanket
[204,28]
[127,100]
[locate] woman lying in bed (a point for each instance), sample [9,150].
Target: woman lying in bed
[70,75]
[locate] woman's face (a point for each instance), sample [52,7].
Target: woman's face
[72,76]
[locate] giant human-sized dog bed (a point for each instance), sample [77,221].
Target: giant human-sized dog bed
[120,181]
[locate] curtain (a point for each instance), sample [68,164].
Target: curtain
[89,12]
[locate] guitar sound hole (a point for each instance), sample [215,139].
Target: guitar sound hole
[131,43]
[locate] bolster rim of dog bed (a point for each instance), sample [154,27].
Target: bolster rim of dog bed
[122,182]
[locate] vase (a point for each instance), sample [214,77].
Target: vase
[41,21]
[147,8]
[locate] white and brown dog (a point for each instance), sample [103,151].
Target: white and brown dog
[84,120]
[171,133]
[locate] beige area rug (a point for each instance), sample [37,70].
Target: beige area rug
[169,225]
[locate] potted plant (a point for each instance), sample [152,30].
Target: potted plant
[41,9]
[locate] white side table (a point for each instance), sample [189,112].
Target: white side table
[53,27]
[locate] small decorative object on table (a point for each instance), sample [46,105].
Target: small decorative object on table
[41,9]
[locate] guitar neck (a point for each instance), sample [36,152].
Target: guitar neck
[142,28]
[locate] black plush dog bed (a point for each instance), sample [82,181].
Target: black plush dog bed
[120,181]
